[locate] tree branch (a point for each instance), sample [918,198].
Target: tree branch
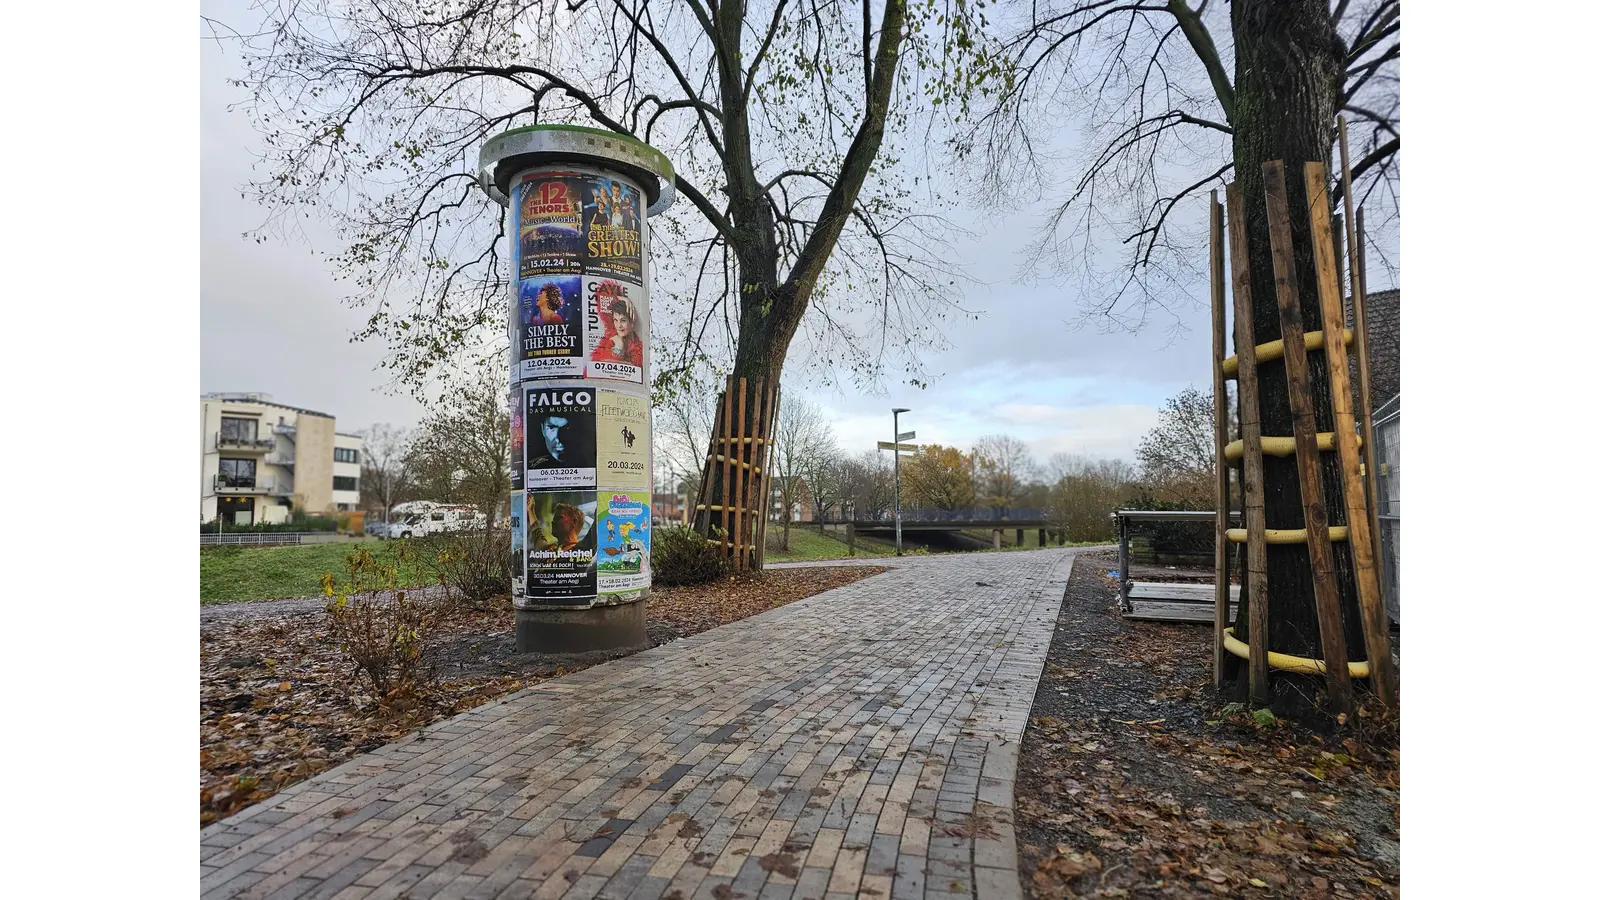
[1206,50]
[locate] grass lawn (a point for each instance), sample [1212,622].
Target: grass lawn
[228,574]
[807,544]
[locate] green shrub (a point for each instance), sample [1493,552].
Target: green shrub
[680,555]
[477,565]
[382,628]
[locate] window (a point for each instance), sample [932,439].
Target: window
[238,473]
[238,429]
[344,483]
[438,517]
[346,454]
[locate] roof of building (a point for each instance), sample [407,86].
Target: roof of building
[1383,344]
[262,399]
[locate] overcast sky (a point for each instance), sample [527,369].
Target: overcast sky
[273,321]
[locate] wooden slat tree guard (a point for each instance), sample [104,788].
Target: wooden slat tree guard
[740,446]
[1359,531]
[1325,587]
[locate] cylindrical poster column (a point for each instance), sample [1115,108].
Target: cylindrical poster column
[580,379]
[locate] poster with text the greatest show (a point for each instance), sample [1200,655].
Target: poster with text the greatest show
[612,215]
[624,542]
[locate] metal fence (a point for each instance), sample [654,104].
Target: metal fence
[1386,451]
[265,538]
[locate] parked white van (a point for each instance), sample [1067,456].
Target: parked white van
[420,517]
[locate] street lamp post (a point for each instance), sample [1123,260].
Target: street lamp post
[897,545]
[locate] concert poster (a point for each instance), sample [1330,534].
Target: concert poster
[622,433]
[550,341]
[549,227]
[560,551]
[616,329]
[612,215]
[559,436]
[624,542]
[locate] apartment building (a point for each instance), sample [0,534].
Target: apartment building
[260,459]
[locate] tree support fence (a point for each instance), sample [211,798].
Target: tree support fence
[736,490]
[1355,460]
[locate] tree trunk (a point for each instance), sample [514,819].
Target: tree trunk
[1289,65]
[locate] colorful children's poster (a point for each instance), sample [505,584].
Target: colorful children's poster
[549,225]
[550,344]
[559,438]
[560,553]
[624,541]
[622,433]
[611,220]
[615,328]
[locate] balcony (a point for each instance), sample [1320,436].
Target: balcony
[281,457]
[223,484]
[242,444]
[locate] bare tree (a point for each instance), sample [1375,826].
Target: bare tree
[801,439]
[1004,465]
[1172,111]
[1178,458]
[1080,502]
[385,479]
[461,452]
[866,486]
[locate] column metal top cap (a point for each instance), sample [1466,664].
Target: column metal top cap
[508,153]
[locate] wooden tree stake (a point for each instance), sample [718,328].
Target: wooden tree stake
[1219,412]
[1374,621]
[1324,585]
[1255,509]
[726,450]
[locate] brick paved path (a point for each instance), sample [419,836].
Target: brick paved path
[861,742]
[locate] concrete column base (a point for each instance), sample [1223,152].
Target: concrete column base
[569,631]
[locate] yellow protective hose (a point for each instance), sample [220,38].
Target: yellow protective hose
[1288,535]
[1300,665]
[1272,350]
[1278,446]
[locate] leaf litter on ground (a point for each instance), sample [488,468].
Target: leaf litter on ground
[1132,783]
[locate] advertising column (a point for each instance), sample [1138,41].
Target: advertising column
[580,357]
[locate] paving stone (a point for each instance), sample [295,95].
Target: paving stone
[830,731]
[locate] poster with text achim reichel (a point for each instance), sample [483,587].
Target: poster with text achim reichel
[560,558]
